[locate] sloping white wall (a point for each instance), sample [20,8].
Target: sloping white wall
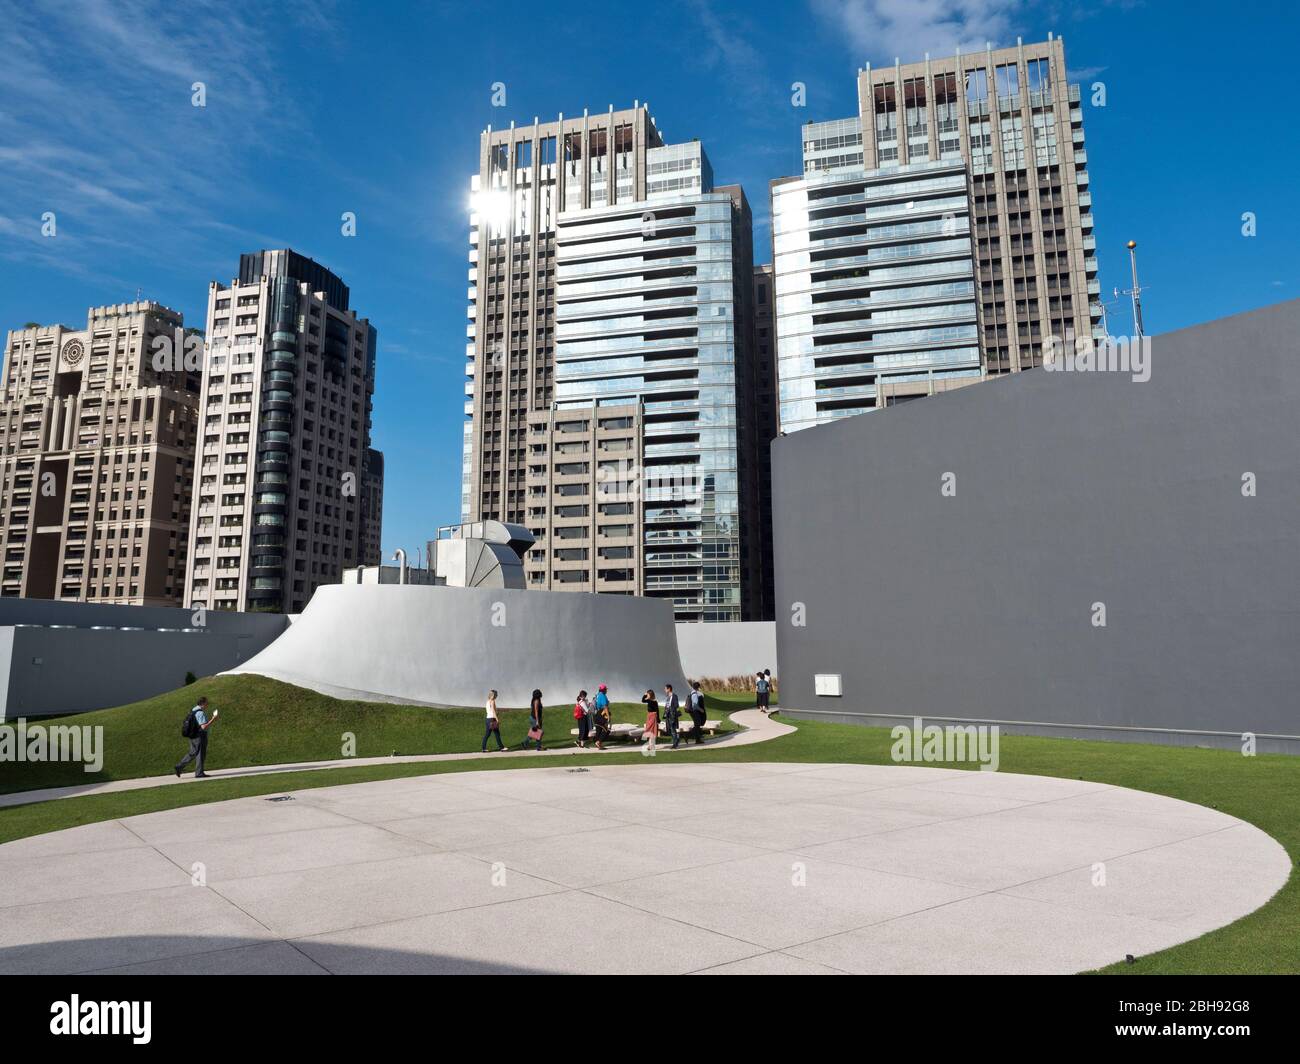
[446,646]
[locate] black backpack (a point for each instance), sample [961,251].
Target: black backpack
[190,729]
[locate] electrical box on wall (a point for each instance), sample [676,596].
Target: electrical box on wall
[828,684]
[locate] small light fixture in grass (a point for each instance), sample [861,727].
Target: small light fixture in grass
[190,678]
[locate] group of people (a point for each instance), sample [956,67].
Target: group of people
[592,715]
[673,715]
[763,690]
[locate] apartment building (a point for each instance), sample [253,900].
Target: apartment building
[97,441]
[610,369]
[285,421]
[983,151]
[372,508]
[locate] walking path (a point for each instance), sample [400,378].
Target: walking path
[756,727]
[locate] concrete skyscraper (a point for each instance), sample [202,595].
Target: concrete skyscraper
[611,392]
[288,483]
[97,437]
[942,236]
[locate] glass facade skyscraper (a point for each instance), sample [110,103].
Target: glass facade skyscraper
[875,289]
[942,236]
[610,387]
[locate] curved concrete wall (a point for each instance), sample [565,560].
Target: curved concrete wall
[446,646]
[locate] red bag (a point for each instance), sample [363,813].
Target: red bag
[578,711]
[535,734]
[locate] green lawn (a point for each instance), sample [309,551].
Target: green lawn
[266,722]
[1264,790]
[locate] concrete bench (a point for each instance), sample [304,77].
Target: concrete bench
[635,731]
[686,726]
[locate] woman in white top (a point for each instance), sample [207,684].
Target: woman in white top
[493,724]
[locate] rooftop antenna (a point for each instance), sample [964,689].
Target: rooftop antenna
[1101,306]
[1136,290]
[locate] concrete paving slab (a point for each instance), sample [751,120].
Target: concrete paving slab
[241,818]
[797,824]
[89,838]
[1013,785]
[626,852]
[74,875]
[774,963]
[1155,884]
[880,775]
[646,806]
[990,934]
[1115,805]
[792,787]
[260,855]
[263,958]
[994,850]
[937,805]
[571,932]
[343,896]
[374,806]
[56,937]
[456,831]
[781,899]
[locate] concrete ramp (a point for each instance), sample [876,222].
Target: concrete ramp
[446,646]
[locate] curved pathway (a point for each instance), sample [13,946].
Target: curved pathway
[756,727]
[677,866]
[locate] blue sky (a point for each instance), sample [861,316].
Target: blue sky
[314,109]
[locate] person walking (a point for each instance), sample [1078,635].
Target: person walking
[672,713]
[601,716]
[761,689]
[582,714]
[651,732]
[493,725]
[695,707]
[534,720]
[195,729]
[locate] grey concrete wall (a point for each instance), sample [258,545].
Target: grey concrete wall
[6,660]
[54,671]
[446,646]
[1070,489]
[263,626]
[721,650]
[71,657]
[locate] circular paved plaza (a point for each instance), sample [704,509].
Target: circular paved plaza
[662,867]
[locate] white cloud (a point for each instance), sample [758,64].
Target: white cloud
[97,125]
[880,30]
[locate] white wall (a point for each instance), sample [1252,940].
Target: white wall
[446,646]
[717,650]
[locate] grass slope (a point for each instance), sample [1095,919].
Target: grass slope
[266,722]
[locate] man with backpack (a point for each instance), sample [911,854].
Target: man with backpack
[195,729]
[695,708]
[762,688]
